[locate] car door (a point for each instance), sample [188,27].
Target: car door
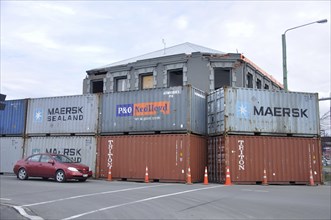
[46,169]
[32,164]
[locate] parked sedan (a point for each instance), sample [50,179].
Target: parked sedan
[59,167]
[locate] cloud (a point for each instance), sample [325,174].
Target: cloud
[39,38]
[181,22]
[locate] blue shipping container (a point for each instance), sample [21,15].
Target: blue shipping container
[12,118]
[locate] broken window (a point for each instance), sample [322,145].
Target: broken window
[222,77]
[258,84]
[249,80]
[146,81]
[97,86]
[175,77]
[120,84]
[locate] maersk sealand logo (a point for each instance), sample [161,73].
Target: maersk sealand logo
[38,115]
[243,110]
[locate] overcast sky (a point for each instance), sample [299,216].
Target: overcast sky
[47,46]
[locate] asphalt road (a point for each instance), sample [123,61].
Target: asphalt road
[99,199]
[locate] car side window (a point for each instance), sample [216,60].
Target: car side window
[34,158]
[44,158]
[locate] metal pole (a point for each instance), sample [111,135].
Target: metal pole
[284,62]
[284,49]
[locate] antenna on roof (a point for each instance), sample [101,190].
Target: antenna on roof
[164,46]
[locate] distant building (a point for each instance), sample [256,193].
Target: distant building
[183,64]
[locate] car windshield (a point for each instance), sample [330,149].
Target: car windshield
[62,159]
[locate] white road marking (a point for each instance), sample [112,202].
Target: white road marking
[23,212]
[139,201]
[5,199]
[92,194]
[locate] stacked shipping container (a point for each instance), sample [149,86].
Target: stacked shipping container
[12,129]
[248,130]
[174,118]
[66,125]
[283,129]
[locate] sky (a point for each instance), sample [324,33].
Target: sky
[47,46]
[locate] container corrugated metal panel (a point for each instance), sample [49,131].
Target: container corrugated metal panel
[11,150]
[287,160]
[12,118]
[63,115]
[167,156]
[177,109]
[242,110]
[81,149]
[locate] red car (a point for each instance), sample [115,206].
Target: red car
[59,167]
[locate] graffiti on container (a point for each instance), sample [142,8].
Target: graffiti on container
[73,153]
[143,109]
[110,154]
[241,163]
[60,114]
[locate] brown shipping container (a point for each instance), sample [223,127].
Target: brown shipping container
[287,160]
[167,156]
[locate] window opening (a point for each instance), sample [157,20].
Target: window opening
[222,77]
[249,80]
[175,77]
[97,86]
[147,81]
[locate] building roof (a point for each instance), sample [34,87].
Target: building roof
[184,48]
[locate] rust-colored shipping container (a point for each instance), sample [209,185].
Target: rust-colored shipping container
[168,157]
[287,160]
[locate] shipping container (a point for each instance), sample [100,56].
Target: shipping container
[11,150]
[81,149]
[176,109]
[63,115]
[167,156]
[251,111]
[286,160]
[12,118]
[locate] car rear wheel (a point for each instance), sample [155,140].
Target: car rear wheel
[22,174]
[60,176]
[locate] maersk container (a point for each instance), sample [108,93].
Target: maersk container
[63,115]
[81,149]
[249,111]
[12,118]
[284,160]
[11,150]
[176,109]
[167,156]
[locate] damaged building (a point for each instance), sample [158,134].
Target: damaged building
[184,64]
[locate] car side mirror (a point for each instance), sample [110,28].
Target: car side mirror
[51,162]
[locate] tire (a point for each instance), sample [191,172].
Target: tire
[22,174]
[60,176]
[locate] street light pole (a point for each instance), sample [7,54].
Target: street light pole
[284,49]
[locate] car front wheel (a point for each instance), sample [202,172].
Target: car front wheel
[22,174]
[60,176]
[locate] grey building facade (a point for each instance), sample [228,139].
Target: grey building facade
[180,65]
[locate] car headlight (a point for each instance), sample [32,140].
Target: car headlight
[72,169]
